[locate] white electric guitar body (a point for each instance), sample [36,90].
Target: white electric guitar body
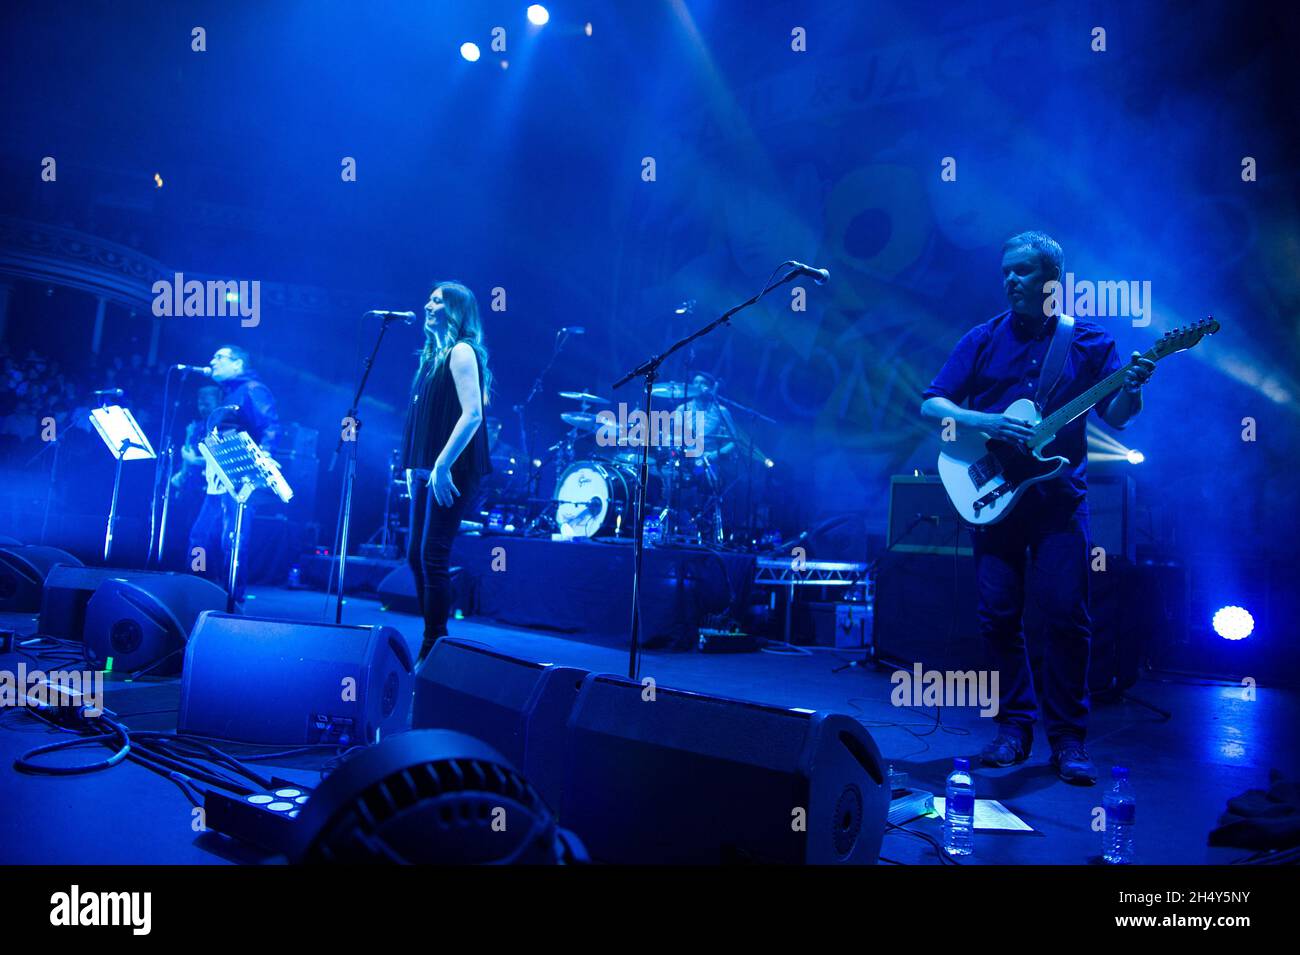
[985,476]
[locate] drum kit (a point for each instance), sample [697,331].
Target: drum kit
[597,466]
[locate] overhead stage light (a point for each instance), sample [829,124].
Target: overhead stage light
[538,15]
[469,51]
[1233,623]
[1135,457]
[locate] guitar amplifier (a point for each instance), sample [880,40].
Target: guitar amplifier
[921,518]
[1111,515]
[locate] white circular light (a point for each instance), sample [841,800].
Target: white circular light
[538,15]
[469,51]
[288,793]
[280,806]
[261,799]
[1135,457]
[1233,623]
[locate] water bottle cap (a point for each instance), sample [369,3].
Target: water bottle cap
[960,762]
[1119,772]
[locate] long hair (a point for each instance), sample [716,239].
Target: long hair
[461,323]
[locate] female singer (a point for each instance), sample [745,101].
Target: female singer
[445,448]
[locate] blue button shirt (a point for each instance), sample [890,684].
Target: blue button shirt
[1000,361]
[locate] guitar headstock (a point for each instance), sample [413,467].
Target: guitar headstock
[1181,339]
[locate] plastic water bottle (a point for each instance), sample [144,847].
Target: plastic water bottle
[1120,804]
[959,810]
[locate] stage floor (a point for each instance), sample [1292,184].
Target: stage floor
[1216,745]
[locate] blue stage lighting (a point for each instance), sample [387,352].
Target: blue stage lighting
[1233,623]
[538,15]
[469,51]
[1135,457]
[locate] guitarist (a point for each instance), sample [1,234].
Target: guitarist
[1043,541]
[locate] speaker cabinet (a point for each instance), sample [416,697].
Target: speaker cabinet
[518,707]
[258,680]
[68,589]
[142,623]
[23,570]
[686,778]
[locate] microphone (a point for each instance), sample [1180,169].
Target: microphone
[406,318]
[820,276]
[573,330]
[200,369]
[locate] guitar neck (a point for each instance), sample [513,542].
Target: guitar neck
[1050,426]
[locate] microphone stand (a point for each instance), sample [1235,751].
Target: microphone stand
[350,468]
[649,370]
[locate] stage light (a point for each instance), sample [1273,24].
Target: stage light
[1135,457]
[232,296]
[469,51]
[587,29]
[768,462]
[1233,623]
[538,15]
[157,180]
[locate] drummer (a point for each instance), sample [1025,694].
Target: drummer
[711,418]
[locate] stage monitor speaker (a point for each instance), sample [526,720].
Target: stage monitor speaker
[68,589]
[142,623]
[23,570]
[259,680]
[518,707]
[686,778]
[921,518]
[1112,515]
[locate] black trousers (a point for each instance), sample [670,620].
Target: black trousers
[214,532]
[1039,553]
[433,528]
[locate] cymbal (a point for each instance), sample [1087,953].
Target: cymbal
[676,389]
[581,419]
[584,396]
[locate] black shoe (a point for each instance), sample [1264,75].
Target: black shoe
[1072,764]
[426,648]
[1009,748]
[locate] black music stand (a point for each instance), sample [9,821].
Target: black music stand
[127,442]
[243,468]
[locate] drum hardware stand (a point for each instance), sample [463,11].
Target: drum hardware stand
[243,468]
[649,370]
[125,440]
[350,468]
[561,337]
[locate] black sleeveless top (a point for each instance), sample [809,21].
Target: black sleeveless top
[431,416]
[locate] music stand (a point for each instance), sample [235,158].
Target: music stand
[124,439]
[243,468]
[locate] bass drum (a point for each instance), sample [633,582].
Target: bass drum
[595,499]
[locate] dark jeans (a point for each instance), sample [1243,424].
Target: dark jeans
[1039,552]
[433,528]
[214,531]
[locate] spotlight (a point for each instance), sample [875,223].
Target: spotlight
[232,296]
[538,15]
[469,51]
[1233,623]
[1135,457]
[587,29]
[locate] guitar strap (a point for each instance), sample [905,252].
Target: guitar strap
[1054,363]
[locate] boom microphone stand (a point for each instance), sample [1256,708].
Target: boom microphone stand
[649,370]
[350,469]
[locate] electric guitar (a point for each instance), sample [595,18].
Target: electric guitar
[985,477]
